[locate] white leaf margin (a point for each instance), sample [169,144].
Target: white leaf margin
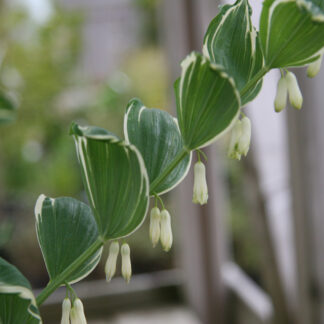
[316,17]
[128,142]
[114,139]
[185,65]
[38,215]
[24,293]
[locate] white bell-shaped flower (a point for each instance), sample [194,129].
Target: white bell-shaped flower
[236,133]
[245,139]
[200,190]
[166,230]
[77,313]
[66,308]
[155,229]
[281,96]
[314,67]
[110,267]
[126,262]
[295,95]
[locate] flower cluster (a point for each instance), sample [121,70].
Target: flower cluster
[160,228]
[110,267]
[288,86]
[75,314]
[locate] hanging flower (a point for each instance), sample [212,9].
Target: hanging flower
[295,95]
[126,262]
[155,230]
[233,149]
[110,267]
[314,67]
[200,190]
[166,230]
[245,139]
[77,313]
[66,308]
[240,139]
[281,96]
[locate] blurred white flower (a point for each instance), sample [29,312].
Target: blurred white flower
[295,95]
[240,139]
[110,267]
[166,230]
[126,262]
[281,96]
[77,313]
[155,230]
[66,308]
[314,67]
[245,139]
[236,133]
[200,190]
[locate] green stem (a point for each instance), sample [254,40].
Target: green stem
[254,80]
[61,278]
[178,158]
[203,154]
[160,200]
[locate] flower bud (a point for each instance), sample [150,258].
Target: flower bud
[155,225]
[281,96]
[200,190]
[244,141]
[66,308]
[314,67]
[295,95]
[77,313]
[233,149]
[166,231]
[126,262]
[110,267]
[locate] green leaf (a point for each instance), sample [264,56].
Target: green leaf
[208,102]
[292,32]
[156,135]
[231,41]
[65,229]
[115,179]
[7,108]
[17,302]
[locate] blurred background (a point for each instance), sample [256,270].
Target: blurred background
[253,255]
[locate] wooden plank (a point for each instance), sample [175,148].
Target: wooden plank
[253,305]
[101,298]
[306,143]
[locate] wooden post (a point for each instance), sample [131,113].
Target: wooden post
[306,143]
[270,268]
[203,240]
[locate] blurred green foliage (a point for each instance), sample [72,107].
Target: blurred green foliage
[148,9]
[37,64]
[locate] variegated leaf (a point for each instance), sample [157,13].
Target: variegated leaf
[292,32]
[156,135]
[65,229]
[208,102]
[17,301]
[231,41]
[115,179]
